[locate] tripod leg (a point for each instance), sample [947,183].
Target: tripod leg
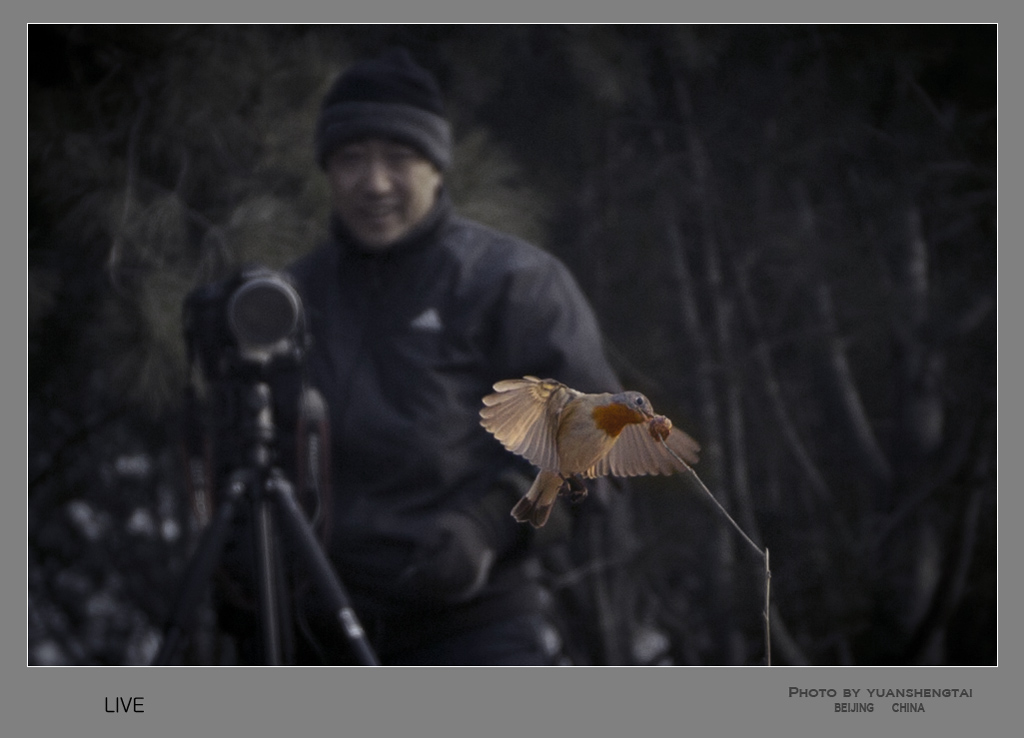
[268,583]
[308,548]
[197,576]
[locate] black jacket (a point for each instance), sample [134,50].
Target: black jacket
[405,343]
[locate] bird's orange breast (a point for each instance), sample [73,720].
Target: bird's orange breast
[614,417]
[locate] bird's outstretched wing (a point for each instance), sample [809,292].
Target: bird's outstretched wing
[636,453]
[523,415]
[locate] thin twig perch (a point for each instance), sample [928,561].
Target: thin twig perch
[763,554]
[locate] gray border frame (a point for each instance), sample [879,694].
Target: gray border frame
[672,701]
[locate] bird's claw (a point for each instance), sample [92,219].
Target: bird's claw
[574,488]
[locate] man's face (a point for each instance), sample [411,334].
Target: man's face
[381,189]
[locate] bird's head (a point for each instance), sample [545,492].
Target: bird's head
[637,402]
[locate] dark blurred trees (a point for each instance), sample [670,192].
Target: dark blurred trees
[788,233]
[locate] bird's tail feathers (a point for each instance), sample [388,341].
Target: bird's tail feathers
[529,511]
[535,506]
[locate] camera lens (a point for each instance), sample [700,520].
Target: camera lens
[263,312]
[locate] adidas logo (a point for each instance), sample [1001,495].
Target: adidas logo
[428,320]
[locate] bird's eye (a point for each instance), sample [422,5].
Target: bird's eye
[639,401]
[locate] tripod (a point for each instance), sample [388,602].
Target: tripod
[272,502]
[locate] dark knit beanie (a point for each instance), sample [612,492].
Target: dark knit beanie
[390,96]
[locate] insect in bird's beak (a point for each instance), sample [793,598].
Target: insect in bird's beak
[659,427]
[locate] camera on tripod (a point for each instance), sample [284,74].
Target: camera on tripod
[246,338]
[256,448]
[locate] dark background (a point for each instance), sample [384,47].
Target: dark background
[788,233]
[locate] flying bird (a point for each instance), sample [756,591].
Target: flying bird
[571,435]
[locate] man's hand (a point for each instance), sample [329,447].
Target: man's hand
[454,566]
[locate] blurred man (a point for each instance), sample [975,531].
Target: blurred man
[415,312]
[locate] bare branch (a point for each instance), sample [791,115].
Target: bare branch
[115,256]
[950,589]
[849,394]
[785,641]
[915,271]
[762,354]
[972,318]
[767,610]
[953,457]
